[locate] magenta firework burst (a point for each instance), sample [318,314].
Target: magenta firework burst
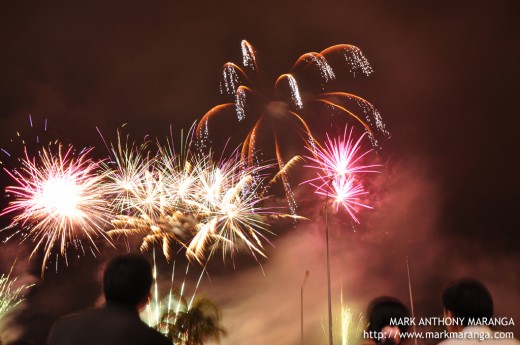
[339,165]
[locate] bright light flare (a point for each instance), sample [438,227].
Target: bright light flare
[228,203]
[60,195]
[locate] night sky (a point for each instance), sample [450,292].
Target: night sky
[445,81]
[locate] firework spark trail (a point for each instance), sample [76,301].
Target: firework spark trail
[316,60]
[196,287]
[171,289]
[237,82]
[180,170]
[132,186]
[181,293]
[181,304]
[350,335]
[156,289]
[139,197]
[9,297]
[346,321]
[338,165]
[353,56]
[25,139]
[290,165]
[58,198]
[153,311]
[291,200]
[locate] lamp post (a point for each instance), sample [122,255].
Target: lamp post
[328,269]
[410,291]
[301,295]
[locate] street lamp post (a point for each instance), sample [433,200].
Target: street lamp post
[328,269]
[301,295]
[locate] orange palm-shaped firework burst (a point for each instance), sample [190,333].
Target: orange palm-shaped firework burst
[278,124]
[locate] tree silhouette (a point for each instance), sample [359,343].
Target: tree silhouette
[193,324]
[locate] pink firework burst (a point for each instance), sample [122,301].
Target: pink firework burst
[340,157]
[346,192]
[339,165]
[59,198]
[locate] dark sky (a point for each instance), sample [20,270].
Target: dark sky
[446,83]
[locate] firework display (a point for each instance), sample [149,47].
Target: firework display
[63,199]
[189,199]
[351,326]
[59,199]
[10,297]
[252,107]
[339,165]
[236,147]
[193,201]
[274,121]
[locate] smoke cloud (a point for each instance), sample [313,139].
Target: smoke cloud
[367,261]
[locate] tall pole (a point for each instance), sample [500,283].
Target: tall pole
[328,269]
[411,295]
[303,285]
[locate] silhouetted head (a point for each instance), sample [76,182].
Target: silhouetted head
[467,298]
[380,312]
[127,280]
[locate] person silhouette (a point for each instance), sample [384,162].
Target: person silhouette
[380,313]
[127,281]
[470,302]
